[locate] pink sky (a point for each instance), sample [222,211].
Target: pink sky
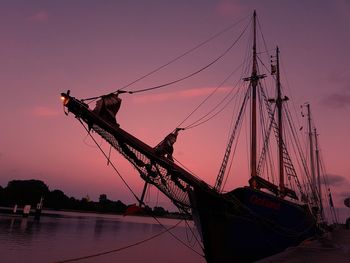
[92,48]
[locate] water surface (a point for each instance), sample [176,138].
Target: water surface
[68,235]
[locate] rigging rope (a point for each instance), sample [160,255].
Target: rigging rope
[199,122]
[196,72]
[327,190]
[174,60]
[235,109]
[183,78]
[111,163]
[133,193]
[298,146]
[121,248]
[264,41]
[264,220]
[194,235]
[233,154]
[211,94]
[218,183]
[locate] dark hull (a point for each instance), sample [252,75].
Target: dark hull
[246,225]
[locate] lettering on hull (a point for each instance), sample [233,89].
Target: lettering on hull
[264,202]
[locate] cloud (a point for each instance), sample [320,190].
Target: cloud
[335,179]
[340,97]
[345,194]
[42,111]
[177,95]
[338,76]
[41,16]
[337,101]
[229,8]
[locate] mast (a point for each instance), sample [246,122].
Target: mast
[254,82]
[279,102]
[318,173]
[275,70]
[311,149]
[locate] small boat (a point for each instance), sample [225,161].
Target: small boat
[247,223]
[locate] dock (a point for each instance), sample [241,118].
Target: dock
[332,247]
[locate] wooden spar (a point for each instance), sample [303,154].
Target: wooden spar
[280,131]
[254,83]
[254,80]
[279,104]
[318,173]
[311,149]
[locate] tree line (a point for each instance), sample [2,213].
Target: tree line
[29,192]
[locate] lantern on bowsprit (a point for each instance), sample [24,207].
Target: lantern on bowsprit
[347,202]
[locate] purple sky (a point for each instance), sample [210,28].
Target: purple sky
[95,47]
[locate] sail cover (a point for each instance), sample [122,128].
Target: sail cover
[107,107]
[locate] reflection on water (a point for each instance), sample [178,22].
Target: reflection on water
[66,235]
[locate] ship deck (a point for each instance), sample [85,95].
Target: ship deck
[333,247]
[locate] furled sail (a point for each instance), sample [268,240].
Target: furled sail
[107,107]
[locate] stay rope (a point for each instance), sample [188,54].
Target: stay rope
[132,192]
[202,120]
[110,162]
[207,98]
[199,121]
[121,90]
[196,72]
[193,235]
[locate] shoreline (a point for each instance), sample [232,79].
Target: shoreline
[54,213]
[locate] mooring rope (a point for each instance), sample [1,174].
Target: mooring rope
[121,248]
[194,235]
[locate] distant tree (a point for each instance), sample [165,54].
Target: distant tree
[103,198]
[1,195]
[159,211]
[106,205]
[73,203]
[23,192]
[148,210]
[119,207]
[57,199]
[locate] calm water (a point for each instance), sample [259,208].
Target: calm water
[72,235]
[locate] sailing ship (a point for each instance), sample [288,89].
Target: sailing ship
[242,225]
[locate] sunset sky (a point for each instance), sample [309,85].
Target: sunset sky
[96,47]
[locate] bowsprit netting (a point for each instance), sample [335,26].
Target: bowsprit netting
[168,177]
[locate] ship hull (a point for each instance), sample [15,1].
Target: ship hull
[246,225]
